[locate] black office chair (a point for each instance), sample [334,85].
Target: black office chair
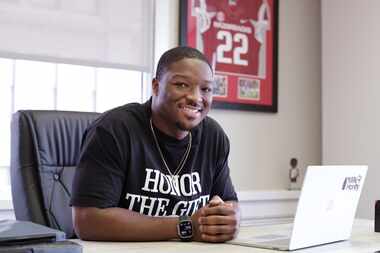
[44,150]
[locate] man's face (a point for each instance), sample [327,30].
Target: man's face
[183,95]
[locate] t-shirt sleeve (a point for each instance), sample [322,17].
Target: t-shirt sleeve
[99,177]
[222,185]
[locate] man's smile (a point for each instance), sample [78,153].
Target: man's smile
[191,111]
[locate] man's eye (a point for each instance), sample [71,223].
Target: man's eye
[181,85]
[206,89]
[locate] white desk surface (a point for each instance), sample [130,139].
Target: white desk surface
[363,239]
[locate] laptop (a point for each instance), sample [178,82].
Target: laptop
[325,211]
[13,232]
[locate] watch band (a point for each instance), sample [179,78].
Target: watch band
[185,228]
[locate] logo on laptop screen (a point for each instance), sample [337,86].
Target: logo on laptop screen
[351,183]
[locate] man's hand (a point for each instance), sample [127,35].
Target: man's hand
[217,222]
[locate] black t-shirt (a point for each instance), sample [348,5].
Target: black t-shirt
[120,165]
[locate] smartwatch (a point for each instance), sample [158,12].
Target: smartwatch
[185,228]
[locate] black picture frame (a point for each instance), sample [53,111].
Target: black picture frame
[235,102]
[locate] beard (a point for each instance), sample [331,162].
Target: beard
[186,127]
[182,127]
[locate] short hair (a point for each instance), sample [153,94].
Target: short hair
[177,54]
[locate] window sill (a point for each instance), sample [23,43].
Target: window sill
[5,198]
[6,204]
[6,210]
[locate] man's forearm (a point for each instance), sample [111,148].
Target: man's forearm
[118,224]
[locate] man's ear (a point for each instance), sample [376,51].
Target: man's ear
[155,86]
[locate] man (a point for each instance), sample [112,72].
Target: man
[158,171]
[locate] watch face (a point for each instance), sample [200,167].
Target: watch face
[185,229]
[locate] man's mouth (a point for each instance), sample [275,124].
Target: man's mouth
[192,111]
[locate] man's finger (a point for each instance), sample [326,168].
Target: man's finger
[223,209]
[215,201]
[217,238]
[217,229]
[218,220]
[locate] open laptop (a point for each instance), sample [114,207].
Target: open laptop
[325,212]
[13,232]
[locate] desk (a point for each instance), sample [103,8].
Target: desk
[363,239]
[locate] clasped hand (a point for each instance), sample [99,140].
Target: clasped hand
[218,221]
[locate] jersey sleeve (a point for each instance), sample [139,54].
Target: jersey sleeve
[99,177]
[222,185]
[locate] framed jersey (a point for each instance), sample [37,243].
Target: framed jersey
[239,38]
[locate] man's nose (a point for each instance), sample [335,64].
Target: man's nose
[195,94]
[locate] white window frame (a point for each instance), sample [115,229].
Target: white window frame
[6,203]
[146,77]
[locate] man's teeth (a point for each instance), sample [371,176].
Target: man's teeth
[194,110]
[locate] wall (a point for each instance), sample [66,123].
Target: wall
[263,143]
[350,77]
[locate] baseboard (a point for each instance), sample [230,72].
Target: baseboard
[267,207]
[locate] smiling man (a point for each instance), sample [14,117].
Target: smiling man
[158,170]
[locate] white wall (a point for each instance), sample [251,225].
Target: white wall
[350,77]
[263,143]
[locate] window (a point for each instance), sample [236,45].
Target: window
[6,80]
[116,84]
[33,85]
[51,86]
[75,78]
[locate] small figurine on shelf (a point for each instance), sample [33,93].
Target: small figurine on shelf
[293,174]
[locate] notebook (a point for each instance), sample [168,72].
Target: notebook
[325,211]
[14,232]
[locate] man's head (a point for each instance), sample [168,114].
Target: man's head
[182,90]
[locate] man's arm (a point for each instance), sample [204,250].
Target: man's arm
[119,224]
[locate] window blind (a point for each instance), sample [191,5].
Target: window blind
[102,33]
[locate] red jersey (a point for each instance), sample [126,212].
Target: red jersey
[226,30]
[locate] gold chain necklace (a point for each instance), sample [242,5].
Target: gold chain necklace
[184,158]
